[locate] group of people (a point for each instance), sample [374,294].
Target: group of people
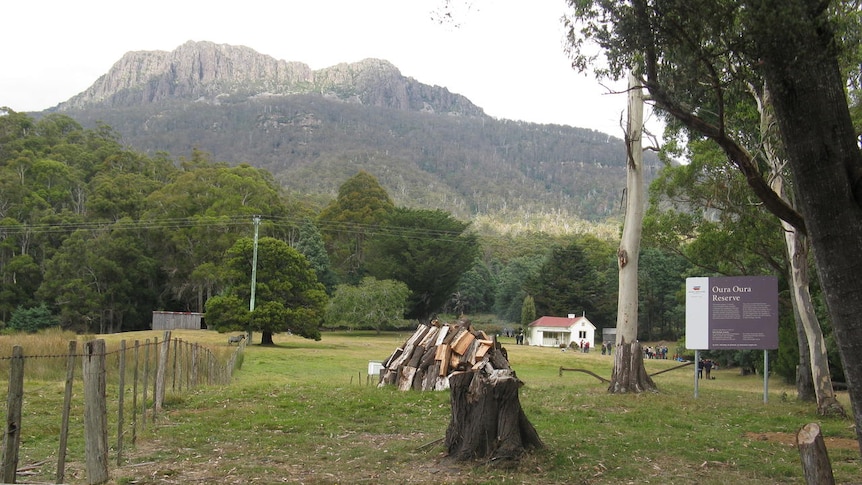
[659,352]
[705,366]
[607,347]
[519,335]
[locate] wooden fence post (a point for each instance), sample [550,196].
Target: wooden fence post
[95,412]
[146,381]
[155,375]
[14,401]
[174,373]
[120,401]
[195,355]
[67,408]
[135,395]
[212,368]
[159,396]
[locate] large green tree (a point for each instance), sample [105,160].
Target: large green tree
[696,56]
[288,296]
[347,223]
[201,214]
[567,284]
[428,250]
[310,244]
[372,304]
[102,281]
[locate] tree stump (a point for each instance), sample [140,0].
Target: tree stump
[487,419]
[815,460]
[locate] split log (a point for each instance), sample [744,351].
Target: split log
[815,460]
[405,378]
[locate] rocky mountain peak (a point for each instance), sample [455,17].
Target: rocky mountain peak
[210,72]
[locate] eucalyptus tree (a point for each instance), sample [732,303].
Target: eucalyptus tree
[348,221]
[697,56]
[199,215]
[102,280]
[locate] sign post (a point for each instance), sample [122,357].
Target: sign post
[732,312]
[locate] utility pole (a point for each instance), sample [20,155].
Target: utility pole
[256,220]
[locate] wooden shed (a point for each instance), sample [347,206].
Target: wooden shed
[177,320]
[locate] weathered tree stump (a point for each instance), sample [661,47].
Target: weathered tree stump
[815,460]
[487,419]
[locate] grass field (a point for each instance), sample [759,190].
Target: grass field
[304,412]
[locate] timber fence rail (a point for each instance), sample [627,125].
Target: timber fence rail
[127,383]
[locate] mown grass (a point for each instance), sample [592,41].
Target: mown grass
[303,412]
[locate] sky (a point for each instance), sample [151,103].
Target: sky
[506,56]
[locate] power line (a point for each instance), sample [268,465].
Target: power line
[228,221]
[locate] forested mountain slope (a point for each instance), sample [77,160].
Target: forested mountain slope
[314,129]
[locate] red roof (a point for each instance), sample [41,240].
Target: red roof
[561,322]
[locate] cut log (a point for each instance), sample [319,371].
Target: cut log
[462,344]
[815,460]
[409,346]
[405,378]
[484,347]
[418,352]
[459,335]
[444,352]
[441,335]
[429,337]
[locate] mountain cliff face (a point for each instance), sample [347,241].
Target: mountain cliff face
[208,72]
[313,130]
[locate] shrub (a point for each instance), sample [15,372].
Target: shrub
[32,319]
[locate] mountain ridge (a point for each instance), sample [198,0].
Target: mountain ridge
[206,72]
[312,130]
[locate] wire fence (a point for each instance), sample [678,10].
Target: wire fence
[125,385]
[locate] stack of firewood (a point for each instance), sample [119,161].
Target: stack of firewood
[437,351]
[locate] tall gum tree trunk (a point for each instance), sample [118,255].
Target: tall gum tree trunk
[800,67]
[797,255]
[629,374]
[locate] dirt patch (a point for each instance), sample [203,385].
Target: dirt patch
[789,439]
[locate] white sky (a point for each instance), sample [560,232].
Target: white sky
[505,55]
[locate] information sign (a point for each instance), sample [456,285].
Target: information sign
[734,312]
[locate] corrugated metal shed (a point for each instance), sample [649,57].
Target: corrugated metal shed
[175,320]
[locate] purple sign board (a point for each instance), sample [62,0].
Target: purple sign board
[734,312]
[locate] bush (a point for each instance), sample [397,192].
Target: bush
[32,319]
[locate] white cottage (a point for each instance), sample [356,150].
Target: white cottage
[556,331]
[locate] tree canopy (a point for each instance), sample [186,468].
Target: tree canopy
[428,250]
[288,296]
